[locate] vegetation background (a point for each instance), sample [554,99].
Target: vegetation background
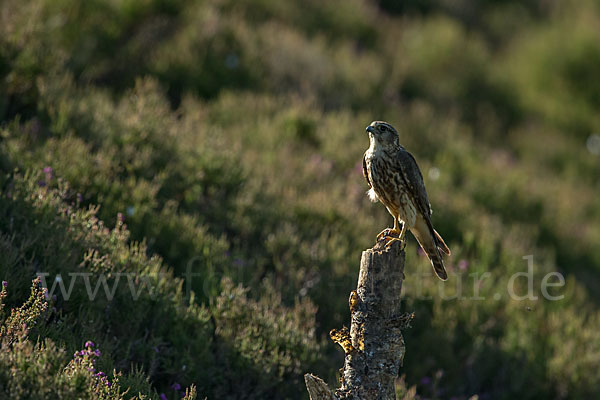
[223,138]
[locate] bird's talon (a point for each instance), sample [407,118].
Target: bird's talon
[392,240]
[384,234]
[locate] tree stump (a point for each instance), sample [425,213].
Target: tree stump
[373,346]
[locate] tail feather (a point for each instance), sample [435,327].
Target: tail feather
[436,261]
[433,244]
[430,246]
[438,264]
[440,243]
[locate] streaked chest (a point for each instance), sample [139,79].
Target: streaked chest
[382,170]
[389,184]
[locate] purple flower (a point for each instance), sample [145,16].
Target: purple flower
[97,353]
[4,283]
[176,386]
[425,380]
[100,374]
[163,396]
[156,349]
[463,265]
[89,343]
[49,173]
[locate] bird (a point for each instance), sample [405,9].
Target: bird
[395,180]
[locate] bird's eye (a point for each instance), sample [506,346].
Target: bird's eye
[383,128]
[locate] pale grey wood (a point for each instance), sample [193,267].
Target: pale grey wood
[374,345]
[317,388]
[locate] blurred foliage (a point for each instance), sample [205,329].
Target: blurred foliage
[212,150]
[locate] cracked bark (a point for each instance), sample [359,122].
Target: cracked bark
[373,347]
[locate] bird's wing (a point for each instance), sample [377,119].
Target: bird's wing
[365,173]
[414,180]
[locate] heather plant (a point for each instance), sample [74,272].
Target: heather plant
[21,319]
[36,370]
[98,253]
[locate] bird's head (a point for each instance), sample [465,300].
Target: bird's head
[382,133]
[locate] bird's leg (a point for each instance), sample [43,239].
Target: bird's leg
[403,231]
[396,231]
[402,237]
[391,233]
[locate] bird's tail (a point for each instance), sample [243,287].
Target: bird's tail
[440,243]
[432,244]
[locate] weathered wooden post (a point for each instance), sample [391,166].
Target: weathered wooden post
[374,346]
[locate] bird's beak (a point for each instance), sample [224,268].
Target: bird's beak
[370,129]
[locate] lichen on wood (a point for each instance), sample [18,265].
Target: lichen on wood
[373,346]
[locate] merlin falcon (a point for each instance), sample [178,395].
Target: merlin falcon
[395,180]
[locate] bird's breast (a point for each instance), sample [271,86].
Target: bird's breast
[388,183]
[386,180]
